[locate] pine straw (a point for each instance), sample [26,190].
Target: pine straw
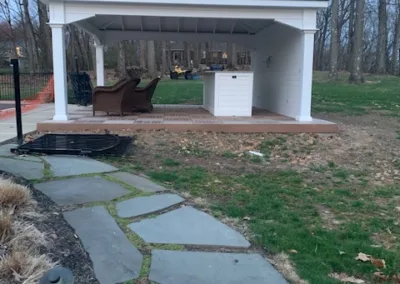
[20,263]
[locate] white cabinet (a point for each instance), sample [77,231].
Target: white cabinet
[228,93]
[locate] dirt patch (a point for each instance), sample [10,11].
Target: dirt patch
[63,246]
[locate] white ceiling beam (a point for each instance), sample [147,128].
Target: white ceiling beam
[233,27]
[197,25]
[121,19]
[215,25]
[92,30]
[141,23]
[231,3]
[246,27]
[115,36]
[105,26]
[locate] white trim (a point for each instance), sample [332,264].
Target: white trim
[307,53]
[60,73]
[100,65]
[234,3]
[98,35]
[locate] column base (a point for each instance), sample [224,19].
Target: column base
[60,117]
[304,118]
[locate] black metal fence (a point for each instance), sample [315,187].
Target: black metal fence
[31,84]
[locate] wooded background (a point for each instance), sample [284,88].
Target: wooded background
[358,36]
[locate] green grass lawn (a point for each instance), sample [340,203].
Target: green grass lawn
[326,212]
[378,93]
[321,213]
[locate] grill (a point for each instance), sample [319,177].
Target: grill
[78,144]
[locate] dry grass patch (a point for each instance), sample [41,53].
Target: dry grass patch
[284,265]
[14,196]
[20,240]
[5,228]
[24,267]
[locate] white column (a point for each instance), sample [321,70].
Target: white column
[60,72]
[100,65]
[307,44]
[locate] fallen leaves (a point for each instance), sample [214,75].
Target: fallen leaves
[378,263]
[363,257]
[383,277]
[343,277]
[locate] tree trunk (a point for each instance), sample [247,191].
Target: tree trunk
[396,45]
[121,60]
[334,52]
[164,63]
[151,59]
[208,53]
[45,37]
[31,40]
[351,35]
[186,54]
[356,75]
[169,55]
[321,48]
[143,54]
[382,38]
[196,57]
[232,55]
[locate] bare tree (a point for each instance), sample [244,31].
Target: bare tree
[151,59]
[232,55]
[396,45]
[352,5]
[143,55]
[121,59]
[186,48]
[335,41]
[164,62]
[382,38]
[356,75]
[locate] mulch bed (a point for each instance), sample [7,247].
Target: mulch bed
[64,246]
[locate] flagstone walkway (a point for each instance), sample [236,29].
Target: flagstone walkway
[109,210]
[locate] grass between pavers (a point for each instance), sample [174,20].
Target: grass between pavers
[123,223]
[325,215]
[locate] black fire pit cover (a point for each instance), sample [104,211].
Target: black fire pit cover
[76,144]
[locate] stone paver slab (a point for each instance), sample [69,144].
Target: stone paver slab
[115,259]
[139,182]
[62,166]
[188,226]
[181,267]
[5,149]
[26,169]
[146,204]
[81,190]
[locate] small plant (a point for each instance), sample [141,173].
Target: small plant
[341,173]
[256,159]
[331,164]
[229,154]
[170,163]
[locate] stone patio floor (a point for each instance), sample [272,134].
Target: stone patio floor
[108,208]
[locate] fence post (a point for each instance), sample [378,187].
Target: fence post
[17,91]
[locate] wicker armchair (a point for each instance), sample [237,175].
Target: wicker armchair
[114,98]
[141,99]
